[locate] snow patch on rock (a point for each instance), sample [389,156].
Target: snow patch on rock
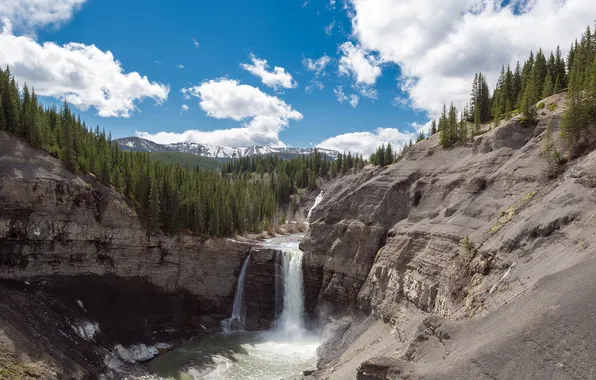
[139,352]
[87,330]
[80,303]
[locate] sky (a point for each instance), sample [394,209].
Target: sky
[348,75]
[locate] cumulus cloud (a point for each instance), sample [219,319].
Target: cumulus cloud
[262,131]
[195,42]
[439,52]
[342,97]
[263,115]
[228,99]
[366,143]
[184,108]
[180,66]
[83,75]
[30,14]
[360,64]
[276,78]
[317,65]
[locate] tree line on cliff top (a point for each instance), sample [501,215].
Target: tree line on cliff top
[245,196]
[518,91]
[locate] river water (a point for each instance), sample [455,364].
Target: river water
[281,353]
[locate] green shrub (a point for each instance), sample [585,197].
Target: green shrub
[551,107]
[541,105]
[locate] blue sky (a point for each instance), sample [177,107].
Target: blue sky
[282,32]
[392,63]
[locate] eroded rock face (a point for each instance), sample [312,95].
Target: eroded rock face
[383,368]
[469,234]
[78,240]
[382,237]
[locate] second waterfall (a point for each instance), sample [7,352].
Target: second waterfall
[291,320]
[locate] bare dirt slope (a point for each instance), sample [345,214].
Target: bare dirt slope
[389,242]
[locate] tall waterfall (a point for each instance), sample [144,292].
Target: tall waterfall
[291,320]
[238,318]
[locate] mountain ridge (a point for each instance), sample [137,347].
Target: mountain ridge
[216,151]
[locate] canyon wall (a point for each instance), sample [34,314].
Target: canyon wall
[453,233]
[67,241]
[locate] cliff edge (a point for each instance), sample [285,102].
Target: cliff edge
[80,276]
[465,262]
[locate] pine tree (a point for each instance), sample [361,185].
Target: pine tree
[388,157]
[69,154]
[550,154]
[444,128]
[154,206]
[548,89]
[433,127]
[528,105]
[463,129]
[476,128]
[2,119]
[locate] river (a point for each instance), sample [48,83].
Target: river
[281,353]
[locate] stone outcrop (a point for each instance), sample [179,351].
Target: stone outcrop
[456,233]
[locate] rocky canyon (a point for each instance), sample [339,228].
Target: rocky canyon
[465,262]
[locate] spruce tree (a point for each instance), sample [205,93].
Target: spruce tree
[549,88]
[154,206]
[388,157]
[433,127]
[2,119]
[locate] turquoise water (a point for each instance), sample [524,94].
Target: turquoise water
[238,356]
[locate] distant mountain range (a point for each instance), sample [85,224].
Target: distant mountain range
[213,151]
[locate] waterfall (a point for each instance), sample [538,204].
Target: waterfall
[279,284]
[318,200]
[291,321]
[238,318]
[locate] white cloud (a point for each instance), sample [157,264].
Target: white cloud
[360,64]
[83,75]
[158,63]
[262,131]
[180,66]
[366,143]
[366,91]
[332,4]
[263,116]
[30,14]
[400,101]
[276,78]
[317,65]
[439,51]
[329,28]
[314,84]
[195,42]
[342,97]
[228,99]
[184,108]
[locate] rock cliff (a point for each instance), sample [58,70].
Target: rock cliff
[452,233]
[76,252]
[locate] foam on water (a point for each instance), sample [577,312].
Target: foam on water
[281,353]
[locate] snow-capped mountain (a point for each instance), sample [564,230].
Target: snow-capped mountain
[213,151]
